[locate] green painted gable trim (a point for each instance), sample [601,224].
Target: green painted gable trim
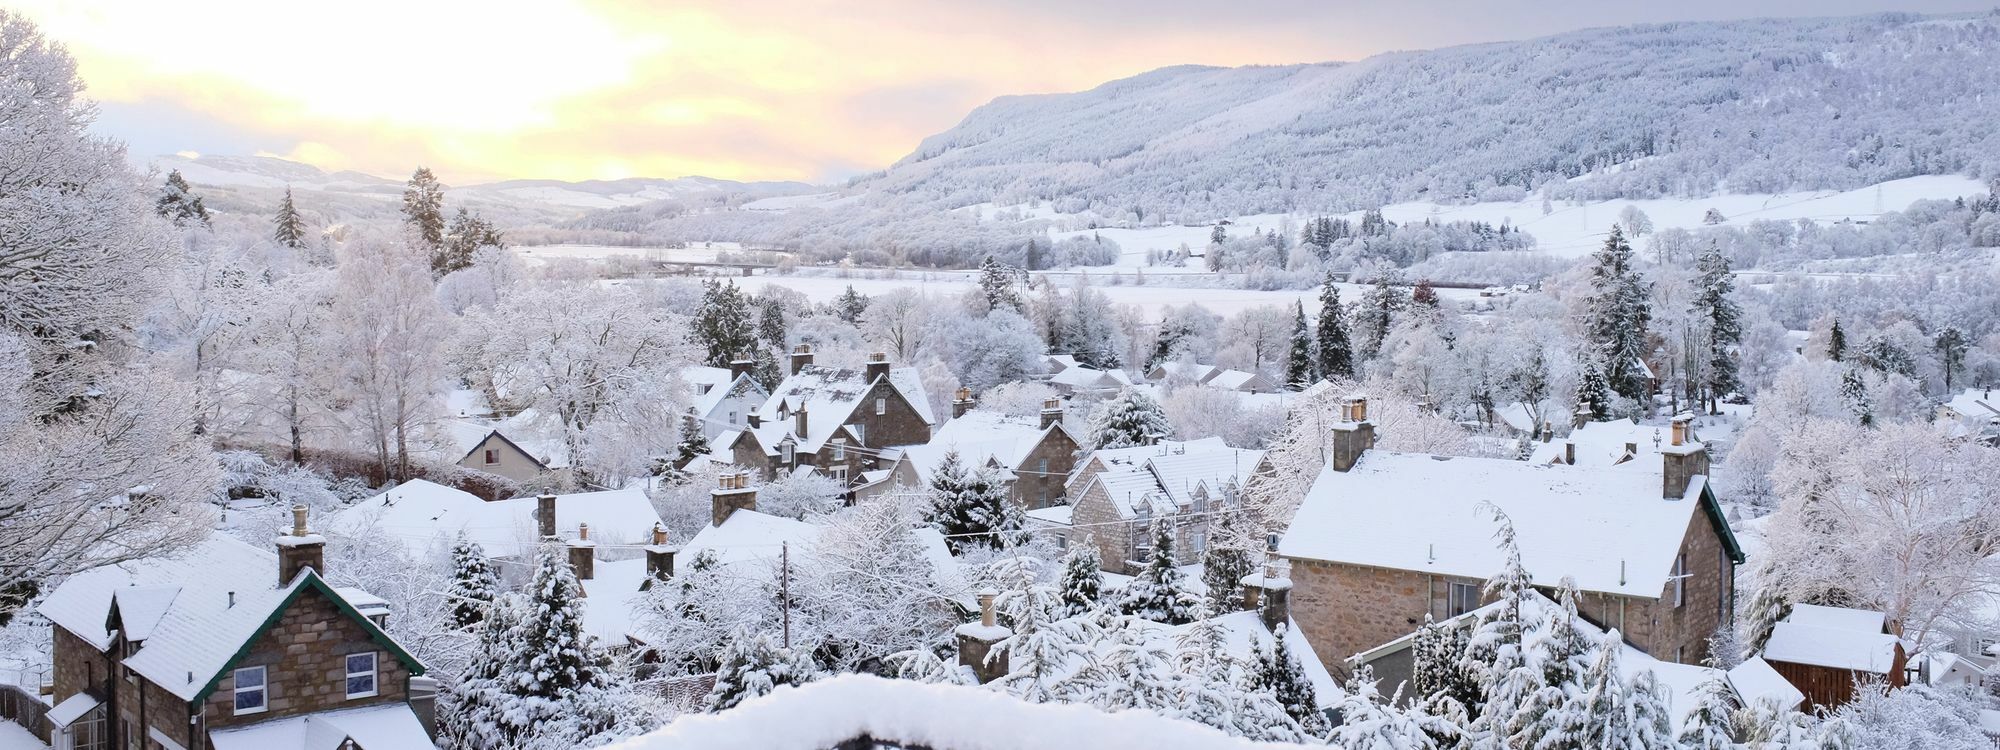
[314,582]
[1713,508]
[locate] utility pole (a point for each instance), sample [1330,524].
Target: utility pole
[785,588]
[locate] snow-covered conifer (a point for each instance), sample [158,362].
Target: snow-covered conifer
[178,202]
[1278,673]
[1160,592]
[1301,369]
[474,584]
[722,327]
[1708,724]
[1369,722]
[971,508]
[1722,322]
[1562,652]
[850,305]
[752,665]
[1336,355]
[1132,419]
[996,286]
[423,209]
[1854,391]
[1652,723]
[1082,583]
[1617,317]
[289,228]
[1223,567]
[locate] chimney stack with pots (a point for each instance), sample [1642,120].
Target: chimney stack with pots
[1052,413]
[878,366]
[583,554]
[1269,591]
[1353,435]
[799,421]
[976,642]
[299,548]
[802,355]
[961,402]
[659,556]
[545,516]
[732,493]
[1684,459]
[740,366]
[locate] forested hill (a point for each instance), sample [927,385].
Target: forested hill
[1675,109]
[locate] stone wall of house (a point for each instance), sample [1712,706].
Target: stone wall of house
[1038,482]
[748,454]
[1095,520]
[305,655]
[898,424]
[1346,609]
[79,666]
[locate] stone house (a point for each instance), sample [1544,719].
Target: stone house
[723,397]
[1381,540]
[1036,455]
[1119,493]
[200,650]
[833,421]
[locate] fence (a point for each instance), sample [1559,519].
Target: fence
[26,709]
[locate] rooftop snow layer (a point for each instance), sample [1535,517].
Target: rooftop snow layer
[1756,682]
[390,725]
[421,513]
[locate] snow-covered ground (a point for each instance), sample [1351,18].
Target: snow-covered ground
[700,252]
[1150,297]
[14,737]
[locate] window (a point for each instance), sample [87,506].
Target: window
[732,416]
[360,675]
[840,474]
[1461,598]
[789,457]
[250,692]
[1042,467]
[860,432]
[1680,579]
[130,731]
[88,733]
[881,406]
[840,450]
[492,457]
[1198,542]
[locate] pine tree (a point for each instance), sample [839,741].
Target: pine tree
[1300,366]
[1160,593]
[1765,611]
[1651,724]
[474,585]
[1707,726]
[997,286]
[1279,673]
[1724,327]
[1494,654]
[423,209]
[468,232]
[1593,394]
[1174,334]
[1223,567]
[1562,652]
[753,666]
[1619,311]
[1218,236]
[850,305]
[1336,355]
[1854,391]
[1836,343]
[1379,308]
[1130,420]
[1951,347]
[1438,664]
[722,325]
[290,227]
[178,202]
[1082,584]
[1423,295]
[1136,672]
[537,679]
[969,505]
[1602,713]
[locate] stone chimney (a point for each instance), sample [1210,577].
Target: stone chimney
[961,402]
[740,366]
[878,366]
[1269,591]
[583,554]
[1569,452]
[732,493]
[802,355]
[1353,435]
[976,641]
[1052,413]
[799,421]
[659,556]
[545,516]
[299,548]
[1548,431]
[1684,459]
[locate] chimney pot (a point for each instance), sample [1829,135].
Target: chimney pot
[299,549]
[986,607]
[732,494]
[740,366]
[1052,413]
[583,531]
[1353,435]
[878,366]
[659,534]
[298,520]
[802,356]
[961,403]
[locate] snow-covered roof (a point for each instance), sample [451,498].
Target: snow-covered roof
[1833,637]
[421,514]
[140,608]
[1975,405]
[1190,371]
[1757,682]
[1234,380]
[830,712]
[1608,528]
[388,725]
[612,607]
[462,436]
[830,397]
[711,385]
[1517,416]
[1054,515]
[1603,444]
[213,566]
[979,436]
[71,709]
[1058,362]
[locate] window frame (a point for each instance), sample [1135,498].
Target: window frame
[373,674]
[1460,598]
[262,689]
[1680,579]
[492,456]
[881,406]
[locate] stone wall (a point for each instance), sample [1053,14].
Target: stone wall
[1346,609]
[79,666]
[1039,486]
[899,424]
[305,656]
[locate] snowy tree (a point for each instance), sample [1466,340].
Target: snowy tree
[1880,718]
[1723,328]
[1223,567]
[1495,656]
[541,680]
[1708,724]
[1367,722]
[1836,343]
[474,583]
[1635,221]
[1042,645]
[289,228]
[1336,355]
[1562,652]
[1599,714]
[1278,672]
[1713,217]
[753,666]
[996,286]
[1300,365]
[1379,308]
[385,331]
[1652,724]
[1437,670]
[1089,330]
[1133,670]
[870,591]
[467,233]
[1593,392]
[722,327]
[1081,587]
[971,508]
[423,212]
[179,204]
[1160,592]
[1854,391]
[1132,419]
[1766,609]
[850,306]
[1617,317]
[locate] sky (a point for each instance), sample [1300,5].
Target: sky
[811,90]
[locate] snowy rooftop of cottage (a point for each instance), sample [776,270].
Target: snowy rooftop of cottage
[213,566]
[1231,379]
[1757,682]
[1835,637]
[979,435]
[1603,444]
[1193,372]
[461,436]
[1080,376]
[830,396]
[1517,416]
[392,725]
[830,712]
[423,514]
[1608,528]
[1975,403]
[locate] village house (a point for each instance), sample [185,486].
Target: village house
[1035,455]
[1619,442]
[1082,380]
[1119,493]
[425,516]
[833,421]
[1824,651]
[1973,413]
[723,397]
[483,447]
[1381,540]
[228,647]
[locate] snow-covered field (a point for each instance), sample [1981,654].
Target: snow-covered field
[1150,298]
[704,252]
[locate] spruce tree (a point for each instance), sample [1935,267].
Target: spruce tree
[1218,236]
[1854,391]
[753,666]
[722,327]
[1708,724]
[1952,348]
[178,202]
[474,585]
[1563,654]
[996,285]
[1336,355]
[423,209]
[1438,669]
[538,679]
[1722,317]
[290,227]
[1174,334]
[467,233]
[850,305]
[1593,394]
[1081,587]
[1279,673]
[1601,715]
[1619,312]
[1300,366]
[1651,724]
[1766,609]
[1424,296]
[1379,308]
[1223,567]
[969,505]
[1836,343]
[1130,420]
[1494,654]
[1159,592]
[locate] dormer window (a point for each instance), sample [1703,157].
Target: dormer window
[360,675]
[789,455]
[250,691]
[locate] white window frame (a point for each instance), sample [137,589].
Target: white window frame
[262,689]
[492,456]
[840,450]
[790,454]
[1460,598]
[1680,579]
[840,475]
[372,673]
[881,406]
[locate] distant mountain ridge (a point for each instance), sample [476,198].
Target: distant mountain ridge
[1641,111]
